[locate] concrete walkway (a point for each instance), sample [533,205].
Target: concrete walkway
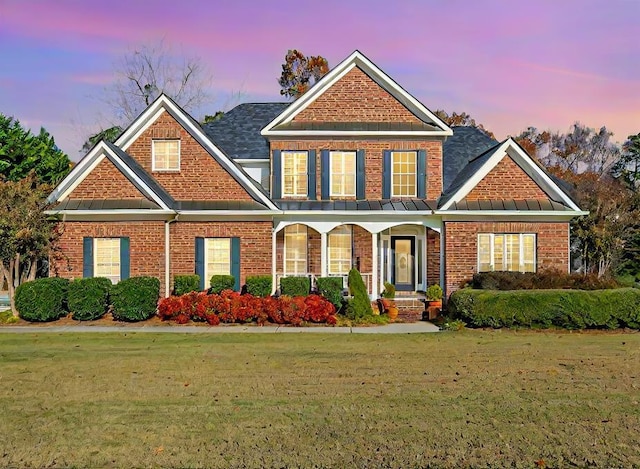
[396,328]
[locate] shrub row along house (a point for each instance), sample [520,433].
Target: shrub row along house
[355,173]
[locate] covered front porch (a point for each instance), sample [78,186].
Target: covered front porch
[405,253]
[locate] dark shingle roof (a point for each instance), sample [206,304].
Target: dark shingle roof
[237,133]
[464,145]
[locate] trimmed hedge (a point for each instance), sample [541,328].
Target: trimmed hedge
[89,298]
[221,282]
[543,280]
[43,299]
[135,298]
[331,289]
[295,286]
[360,305]
[569,309]
[259,285]
[186,284]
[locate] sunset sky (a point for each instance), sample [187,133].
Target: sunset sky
[510,64]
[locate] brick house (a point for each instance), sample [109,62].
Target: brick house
[356,172]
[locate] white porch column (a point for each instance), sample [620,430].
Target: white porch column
[274,234]
[374,266]
[323,254]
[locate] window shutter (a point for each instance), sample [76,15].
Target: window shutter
[311,171]
[87,257]
[235,261]
[386,174]
[326,173]
[276,168]
[125,260]
[360,175]
[422,178]
[200,261]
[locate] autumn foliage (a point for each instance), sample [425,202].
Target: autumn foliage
[299,73]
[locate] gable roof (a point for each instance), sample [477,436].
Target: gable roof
[357,59]
[465,145]
[480,166]
[237,132]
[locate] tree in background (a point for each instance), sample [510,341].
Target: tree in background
[22,152]
[628,166]
[108,135]
[462,120]
[26,232]
[299,73]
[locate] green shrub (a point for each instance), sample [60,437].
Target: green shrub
[569,309]
[222,282]
[89,298]
[359,305]
[259,285]
[389,291]
[135,299]
[331,289]
[434,292]
[183,284]
[543,280]
[295,286]
[44,299]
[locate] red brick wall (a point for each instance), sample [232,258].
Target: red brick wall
[461,249]
[106,181]
[433,257]
[356,98]
[255,245]
[146,246]
[362,249]
[507,181]
[200,176]
[373,159]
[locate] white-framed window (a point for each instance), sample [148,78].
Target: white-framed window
[217,257]
[512,252]
[339,250]
[404,169]
[165,155]
[343,173]
[106,258]
[295,250]
[294,173]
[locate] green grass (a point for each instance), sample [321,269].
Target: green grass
[475,399]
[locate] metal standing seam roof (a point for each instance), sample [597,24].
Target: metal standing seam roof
[391,205]
[106,204]
[510,205]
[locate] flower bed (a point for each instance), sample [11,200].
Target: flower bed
[232,307]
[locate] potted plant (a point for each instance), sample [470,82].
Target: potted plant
[434,295]
[387,305]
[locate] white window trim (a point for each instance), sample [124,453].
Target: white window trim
[355,163]
[207,273]
[153,155]
[306,252]
[349,234]
[521,251]
[415,185]
[95,258]
[282,174]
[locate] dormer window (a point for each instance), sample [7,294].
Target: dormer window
[166,155]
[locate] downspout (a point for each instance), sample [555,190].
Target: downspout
[167,256]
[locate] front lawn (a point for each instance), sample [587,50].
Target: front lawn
[476,398]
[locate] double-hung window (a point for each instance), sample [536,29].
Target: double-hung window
[403,173]
[217,258]
[295,250]
[339,251]
[166,155]
[343,173]
[106,258]
[507,252]
[294,173]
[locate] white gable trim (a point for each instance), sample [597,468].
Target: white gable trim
[513,150]
[88,164]
[356,59]
[155,110]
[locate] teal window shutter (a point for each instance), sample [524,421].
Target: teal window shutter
[87,257]
[235,261]
[125,259]
[311,171]
[386,174]
[200,261]
[276,168]
[422,177]
[326,173]
[360,175]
